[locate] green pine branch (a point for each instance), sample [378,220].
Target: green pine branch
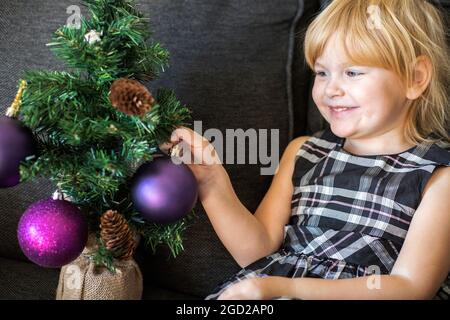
[124,49]
[170,235]
[87,148]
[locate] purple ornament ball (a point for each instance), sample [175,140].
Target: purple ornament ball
[164,192]
[16,143]
[52,233]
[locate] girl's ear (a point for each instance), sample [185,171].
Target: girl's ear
[423,70]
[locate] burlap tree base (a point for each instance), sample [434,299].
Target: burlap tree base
[82,280]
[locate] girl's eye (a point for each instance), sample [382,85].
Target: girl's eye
[352,74]
[320,73]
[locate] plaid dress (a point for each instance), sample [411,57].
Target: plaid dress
[350,214]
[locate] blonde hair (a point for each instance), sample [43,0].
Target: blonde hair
[407,29]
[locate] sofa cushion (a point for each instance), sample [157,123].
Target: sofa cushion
[23,280]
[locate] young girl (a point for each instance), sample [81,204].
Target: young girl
[360,210]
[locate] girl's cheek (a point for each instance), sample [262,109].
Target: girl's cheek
[316,92]
[362,92]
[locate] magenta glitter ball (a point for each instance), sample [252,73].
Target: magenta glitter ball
[52,233]
[16,143]
[164,192]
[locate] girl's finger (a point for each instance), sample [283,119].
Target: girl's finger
[181,133]
[165,147]
[189,136]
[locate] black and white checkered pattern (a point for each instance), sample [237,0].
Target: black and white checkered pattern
[350,214]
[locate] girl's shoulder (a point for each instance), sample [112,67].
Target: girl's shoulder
[441,174]
[439,152]
[430,155]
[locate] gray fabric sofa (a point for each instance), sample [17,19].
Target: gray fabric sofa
[235,63]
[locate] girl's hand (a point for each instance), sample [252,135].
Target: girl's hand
[249,289]
[198,154]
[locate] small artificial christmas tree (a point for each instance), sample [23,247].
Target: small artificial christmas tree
[96,123]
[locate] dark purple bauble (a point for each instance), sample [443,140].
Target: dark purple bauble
[16,143]
[52,233]
[162,191]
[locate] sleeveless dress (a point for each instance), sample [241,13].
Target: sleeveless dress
[350,214]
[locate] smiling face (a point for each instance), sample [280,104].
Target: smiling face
[359,102]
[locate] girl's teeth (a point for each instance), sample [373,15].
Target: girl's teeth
[340,109]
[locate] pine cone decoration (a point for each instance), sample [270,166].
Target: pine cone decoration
[117,235]
[130,97]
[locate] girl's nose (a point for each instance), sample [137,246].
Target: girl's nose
[333,88]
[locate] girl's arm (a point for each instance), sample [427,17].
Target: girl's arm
[246,236]
[420,269]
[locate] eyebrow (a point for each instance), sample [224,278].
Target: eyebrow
[319,64]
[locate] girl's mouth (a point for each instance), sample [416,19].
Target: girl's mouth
[341,111]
